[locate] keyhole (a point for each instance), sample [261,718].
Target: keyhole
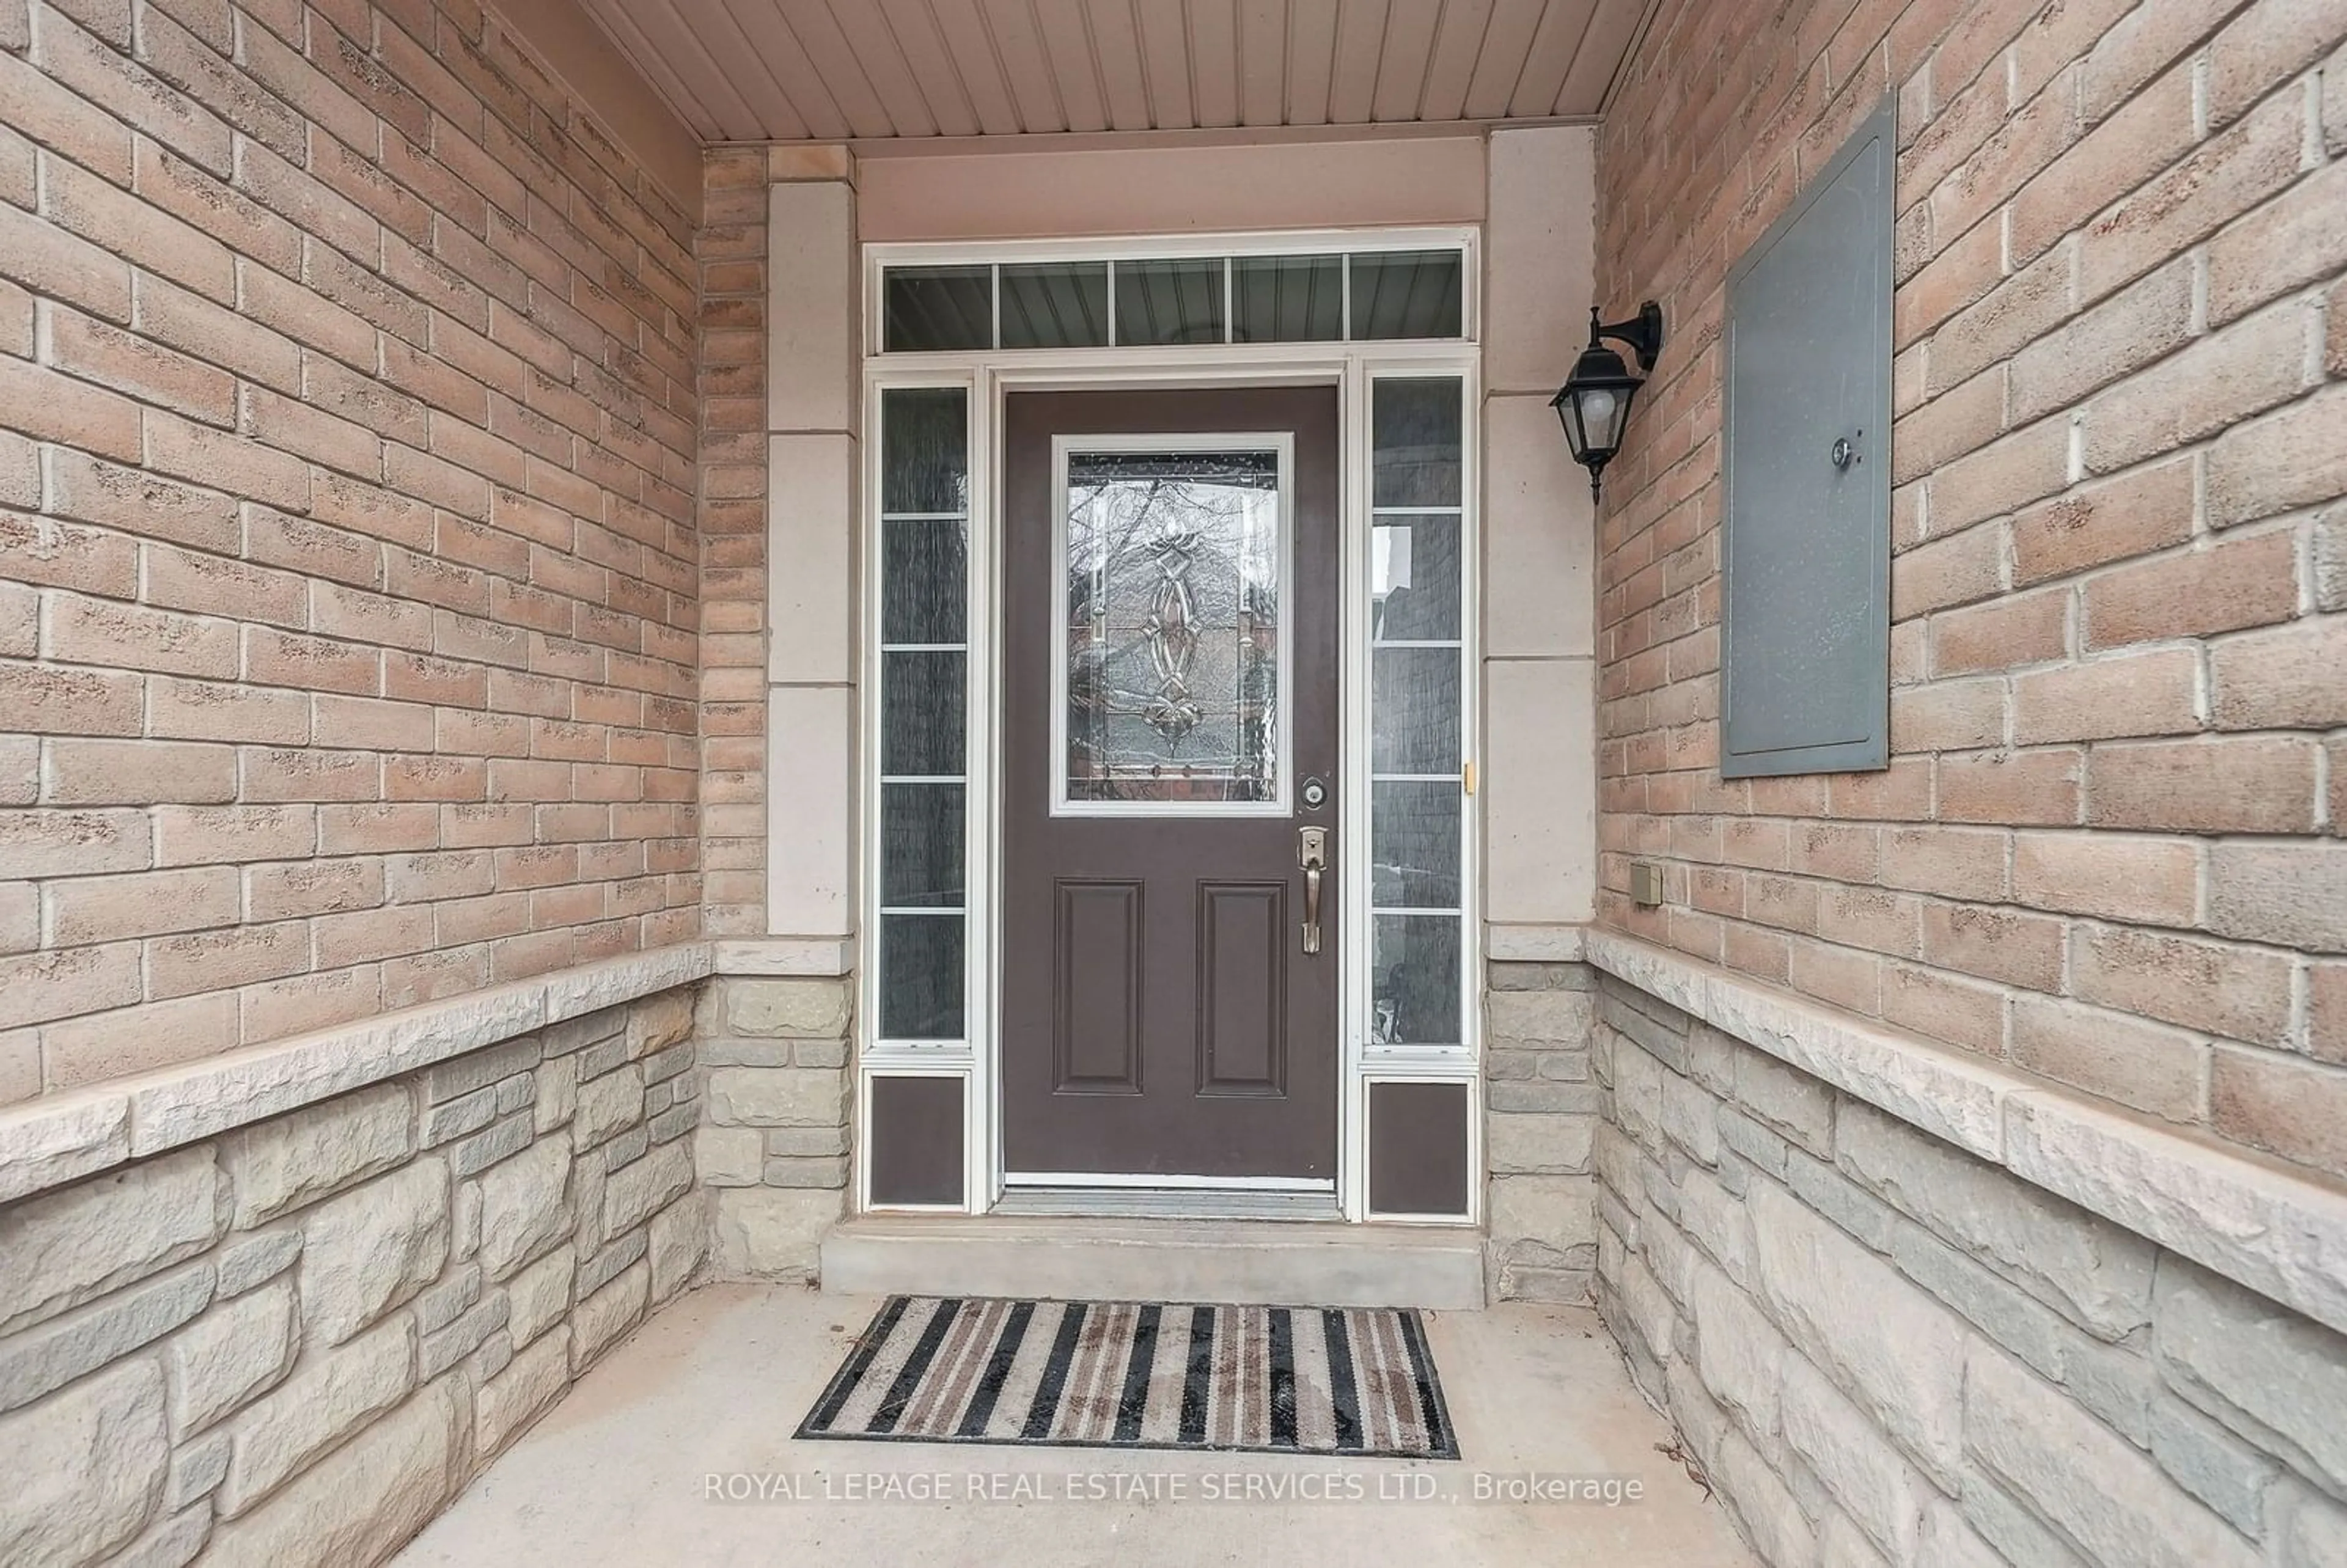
[1844,453]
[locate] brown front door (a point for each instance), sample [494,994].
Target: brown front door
[1171,709]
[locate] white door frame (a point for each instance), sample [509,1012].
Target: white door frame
[989,376]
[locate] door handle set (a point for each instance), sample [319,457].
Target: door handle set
[1312,855]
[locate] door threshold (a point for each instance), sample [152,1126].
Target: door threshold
[1170,1204]
[1093,1257]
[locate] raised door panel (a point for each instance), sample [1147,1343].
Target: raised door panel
[1242,988]
[1096,942]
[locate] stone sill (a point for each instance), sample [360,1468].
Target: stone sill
[783,956]
[1520,944]
[59,1138]
[2272,1229]
[2276,1231]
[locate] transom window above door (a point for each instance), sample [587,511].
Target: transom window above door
[1177,300]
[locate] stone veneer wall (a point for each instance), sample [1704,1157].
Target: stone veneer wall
[774,1144]
[292,1343]
[1541,1107]
[1880,1349]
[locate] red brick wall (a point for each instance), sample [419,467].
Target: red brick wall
[732,247]
[2108,849]
[348,562]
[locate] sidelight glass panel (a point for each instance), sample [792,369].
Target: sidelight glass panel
[1160,303]
[1171,689]
[1288,299]
[1408,295]
[924,580]
[1414,703]
[921,701]
[1415,996]
[925,452]
[1414,845]
[923,837]
[921,977]
[1415,431]
[1414,578]
[921,860]
[1055,305]
[938,308]
[1419,545]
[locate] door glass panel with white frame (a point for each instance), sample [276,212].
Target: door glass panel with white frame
[1172,563]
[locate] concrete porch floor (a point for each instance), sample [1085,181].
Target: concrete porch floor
[715,1384]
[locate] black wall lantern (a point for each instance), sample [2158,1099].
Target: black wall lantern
[1594,402]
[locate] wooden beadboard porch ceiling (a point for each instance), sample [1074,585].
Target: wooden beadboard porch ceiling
[833,70]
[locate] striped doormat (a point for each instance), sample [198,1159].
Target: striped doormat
[1271,1380]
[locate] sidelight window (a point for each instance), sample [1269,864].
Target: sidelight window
[1416,708]
[922,828]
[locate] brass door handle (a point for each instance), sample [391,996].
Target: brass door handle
[1312,855]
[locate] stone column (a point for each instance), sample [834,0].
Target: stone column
[812,397]
[775,1139]
[1543,1110]
[1539,735]
[773,1142]
[1539,742]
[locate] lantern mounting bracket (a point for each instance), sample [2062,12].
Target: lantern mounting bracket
[1643,333]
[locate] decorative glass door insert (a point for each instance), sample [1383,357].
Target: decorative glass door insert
[1172,694]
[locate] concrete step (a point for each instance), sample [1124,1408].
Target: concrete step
[1243,1262]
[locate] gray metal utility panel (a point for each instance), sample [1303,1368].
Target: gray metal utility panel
[1804,648]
